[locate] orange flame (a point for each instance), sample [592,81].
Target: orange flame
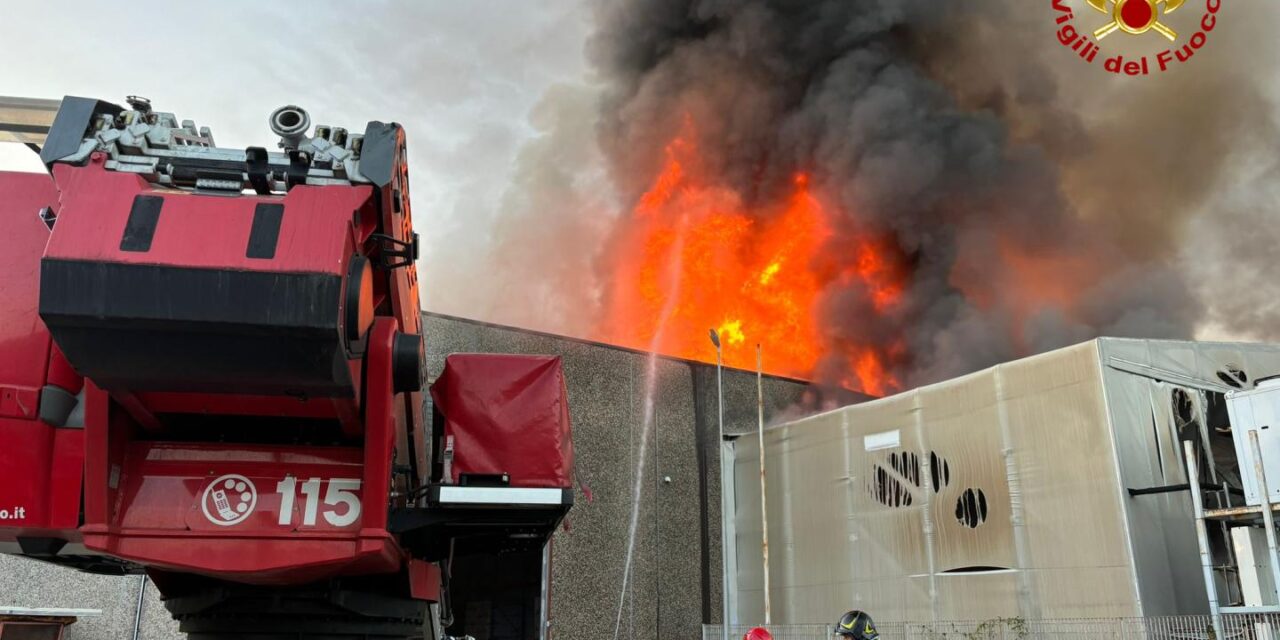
[750,275]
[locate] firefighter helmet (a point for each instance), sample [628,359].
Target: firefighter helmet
[758,633]
[857,625]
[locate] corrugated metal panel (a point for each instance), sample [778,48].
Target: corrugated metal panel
[1147,437]
[997,494]
[1077,559]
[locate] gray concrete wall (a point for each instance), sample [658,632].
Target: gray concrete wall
[674,583]
[30,583]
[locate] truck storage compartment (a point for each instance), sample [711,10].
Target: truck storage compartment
[503,421]
[502,472]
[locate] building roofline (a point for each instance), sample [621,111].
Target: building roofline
[602,345]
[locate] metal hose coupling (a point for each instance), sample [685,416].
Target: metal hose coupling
[291,123]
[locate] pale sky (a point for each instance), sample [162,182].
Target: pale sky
[461,76]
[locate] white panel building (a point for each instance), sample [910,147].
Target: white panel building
[1006,493]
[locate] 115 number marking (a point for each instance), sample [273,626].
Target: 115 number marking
[341,491]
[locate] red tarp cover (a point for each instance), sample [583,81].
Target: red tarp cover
[507,414]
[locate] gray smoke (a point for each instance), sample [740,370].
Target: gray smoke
[541,271]
[1177,170]
[1034,201]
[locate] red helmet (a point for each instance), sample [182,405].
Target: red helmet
[758,633]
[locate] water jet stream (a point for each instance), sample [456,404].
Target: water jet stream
[651,383]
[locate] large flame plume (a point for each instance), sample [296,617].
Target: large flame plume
[755,277]
[832,201]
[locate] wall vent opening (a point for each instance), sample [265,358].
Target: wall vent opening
[971,508]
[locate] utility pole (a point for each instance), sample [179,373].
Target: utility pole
[764,508]
[724,543]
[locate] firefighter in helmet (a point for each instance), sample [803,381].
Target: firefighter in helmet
[856,625]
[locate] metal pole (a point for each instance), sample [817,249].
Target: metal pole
[137,615]
[1202,536]
[764,508]
[1267,517]
[657,527]
[724,511]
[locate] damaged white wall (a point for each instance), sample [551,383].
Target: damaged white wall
[999,494]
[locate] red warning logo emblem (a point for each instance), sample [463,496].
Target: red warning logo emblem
[1136,17]
[229,499]
[1135,56]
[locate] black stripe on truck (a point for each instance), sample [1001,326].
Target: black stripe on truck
[141,227]
[265,232]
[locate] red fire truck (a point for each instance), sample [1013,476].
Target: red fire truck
[212,371]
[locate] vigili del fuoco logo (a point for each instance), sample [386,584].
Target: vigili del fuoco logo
[1092,34]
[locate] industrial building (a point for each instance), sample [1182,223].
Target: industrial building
[1049,488]
[674,584]
[1005,493]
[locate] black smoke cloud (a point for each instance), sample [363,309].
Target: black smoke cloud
[1025,222]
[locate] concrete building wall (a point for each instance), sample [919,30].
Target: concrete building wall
[30,583]
[673,582]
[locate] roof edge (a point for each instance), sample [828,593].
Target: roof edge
[603,345]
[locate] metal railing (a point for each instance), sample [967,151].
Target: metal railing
[1264,626]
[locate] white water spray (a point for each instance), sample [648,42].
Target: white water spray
[651,383]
